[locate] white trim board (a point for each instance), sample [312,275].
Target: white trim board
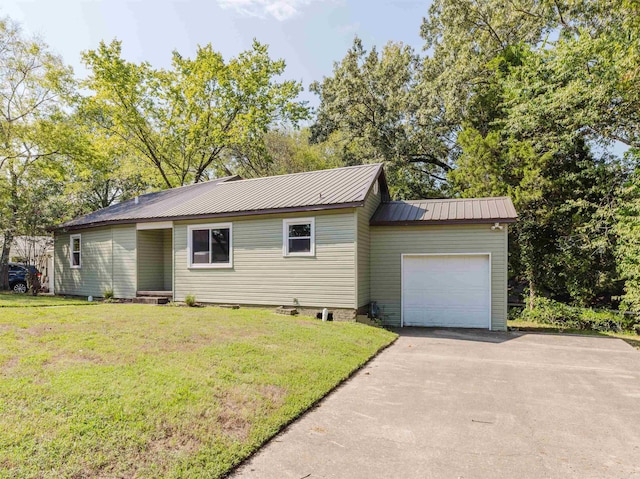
[155,225]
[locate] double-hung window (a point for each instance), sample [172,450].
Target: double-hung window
[298,237]
[210,246]
[75,251]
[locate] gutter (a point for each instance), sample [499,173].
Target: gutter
[126,221]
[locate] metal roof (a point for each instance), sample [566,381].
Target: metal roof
[445,211]
[314,190]
[147,206]
[323,188]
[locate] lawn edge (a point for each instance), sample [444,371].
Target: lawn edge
[546,329]
[312,406]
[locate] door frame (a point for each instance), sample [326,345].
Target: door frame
[402,257]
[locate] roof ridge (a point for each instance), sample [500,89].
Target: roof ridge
[307,172]
[173,188]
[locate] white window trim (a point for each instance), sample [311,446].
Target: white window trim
[209,226]
[71,238]
[285,235]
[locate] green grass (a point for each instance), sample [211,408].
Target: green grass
[630,338]
[115,390]
[16,300]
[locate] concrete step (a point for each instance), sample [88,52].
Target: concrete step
[160,294]
[150,300]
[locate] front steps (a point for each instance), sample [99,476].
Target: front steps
[153,297]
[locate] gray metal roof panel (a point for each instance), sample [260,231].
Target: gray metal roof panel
[314,188]
[150,205]
[317,189]
[468,210]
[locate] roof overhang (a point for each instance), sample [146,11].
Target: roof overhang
[128,221]
[444,222]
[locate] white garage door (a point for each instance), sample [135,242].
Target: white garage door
[446,290]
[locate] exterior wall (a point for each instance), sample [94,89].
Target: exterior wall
[363,246]
[95,275]
[124,261]
[262,276]
[150,260]
[167,258]
[388,243]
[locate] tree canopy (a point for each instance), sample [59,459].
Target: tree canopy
[183,120]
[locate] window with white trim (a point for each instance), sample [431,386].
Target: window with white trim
[210,246]
[298,237]
[75,251]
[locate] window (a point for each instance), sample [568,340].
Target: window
[210,246]
[76,251]
[298,237]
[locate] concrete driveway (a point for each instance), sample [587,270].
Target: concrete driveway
[456,404]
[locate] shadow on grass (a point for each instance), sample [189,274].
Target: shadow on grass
[551,329]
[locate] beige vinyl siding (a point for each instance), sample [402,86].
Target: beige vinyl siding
[167,258]
[150,260]
[261,275]
[94,277]
[124,261]
[388,243]
[364,214]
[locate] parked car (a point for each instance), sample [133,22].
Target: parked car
[18,276]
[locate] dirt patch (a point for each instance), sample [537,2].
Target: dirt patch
[39,330]
[275,394]
[233,424]
[9,365]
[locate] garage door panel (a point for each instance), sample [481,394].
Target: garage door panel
[446,290]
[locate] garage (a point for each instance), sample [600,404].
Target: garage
[441,262]
[446,290]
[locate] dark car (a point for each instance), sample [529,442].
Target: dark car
[18,276]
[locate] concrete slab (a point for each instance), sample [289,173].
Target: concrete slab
[472,404]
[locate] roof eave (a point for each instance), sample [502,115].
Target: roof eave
[486,221]
[297,209]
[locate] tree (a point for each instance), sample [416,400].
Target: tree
[185,120]
[371,106]
[285,151]
[34,85]
[101,169]
[527,108]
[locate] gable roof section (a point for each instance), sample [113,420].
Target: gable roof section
[148,206]
[321,189]
[445,211]
[314,190]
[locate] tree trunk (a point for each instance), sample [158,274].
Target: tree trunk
[4,260]
[532,294]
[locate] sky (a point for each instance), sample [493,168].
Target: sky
[310,35]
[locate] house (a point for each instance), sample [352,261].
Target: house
[330,238]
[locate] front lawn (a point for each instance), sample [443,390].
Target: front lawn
[12,300]
[115,390]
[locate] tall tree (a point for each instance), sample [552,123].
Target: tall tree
[285,151]
[371,106]
[34,84]
[529,87]
[184,120]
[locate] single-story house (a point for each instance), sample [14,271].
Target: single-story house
[330,238]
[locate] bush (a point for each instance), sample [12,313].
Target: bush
[108,294]
[548,311]
[190,300]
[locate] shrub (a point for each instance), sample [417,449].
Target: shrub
[190,300]
[108,294]
[548,311]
